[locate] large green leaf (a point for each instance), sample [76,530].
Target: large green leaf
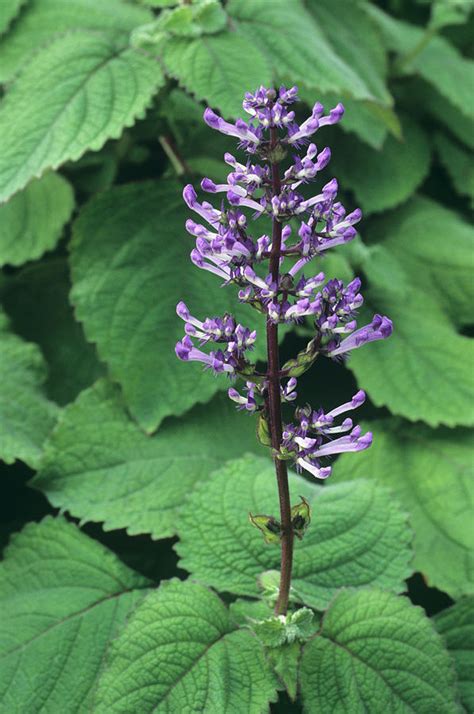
[376,653]
[9,9]
[95,87]
[383,179]
[431,472]
[456,626]
[180,653]
[100,466]
[435,247]
[424,371]
[41,21]
[358,535]
[217,68]
[366,57]
[130,267]
[458,163]
[430,100]
[296,47]
[63,598]
[37,302]
[31,223]
[437,61]
[26,416]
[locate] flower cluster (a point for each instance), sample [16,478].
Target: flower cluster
[227,246]
[311,438]
[234,338]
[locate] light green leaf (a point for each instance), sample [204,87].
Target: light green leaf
[450,12]
[180,652]
[358,536]
[42,21]
[26,416]
[424,371]
[37,302]
[63,598]
[100,466]
[458,163]
[383,179]
[9,9]
[130,267]
[376,653]
[456,626]
[217,68]
[296,47]
[434,246]
[367,57]
[431,473]
[437,61]
[95,87]
[31,223]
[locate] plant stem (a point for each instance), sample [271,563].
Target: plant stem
[274,412]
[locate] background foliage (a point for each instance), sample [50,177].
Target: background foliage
[100,125]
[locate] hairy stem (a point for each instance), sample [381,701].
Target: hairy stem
[274,413]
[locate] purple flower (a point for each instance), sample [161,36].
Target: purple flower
[311,438]
[227,246]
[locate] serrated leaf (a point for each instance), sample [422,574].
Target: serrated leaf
[95,86]
[180,652]
[458,163]
[296,47]
[424,371]
[130,249]
[100,466]
[41,21]
[37,302]
[456,627]
[448,114]
[217,68]
[367,57]
[431,473]
[31,223]
[383,179]
[63,598]
[438,62]
[26,416]
[376,653]
[441,266]
[9,9]
[358,536]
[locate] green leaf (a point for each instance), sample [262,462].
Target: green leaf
[63,597]
[284,661]
[26,416]
[376,653]
[37,302]
[296,47]
[437,61]
[217,68]
[456,627]
[383,179]
[448,114]
[32,222]
[130,249]
[450,12]
[100,466]
[358,536]
[180,652]
[95,87]
[9,9]
[367,57]
[424,371]
[42,21]
[431,473]
[441,266]
[458,163]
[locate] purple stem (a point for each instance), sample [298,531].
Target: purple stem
[274,412]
